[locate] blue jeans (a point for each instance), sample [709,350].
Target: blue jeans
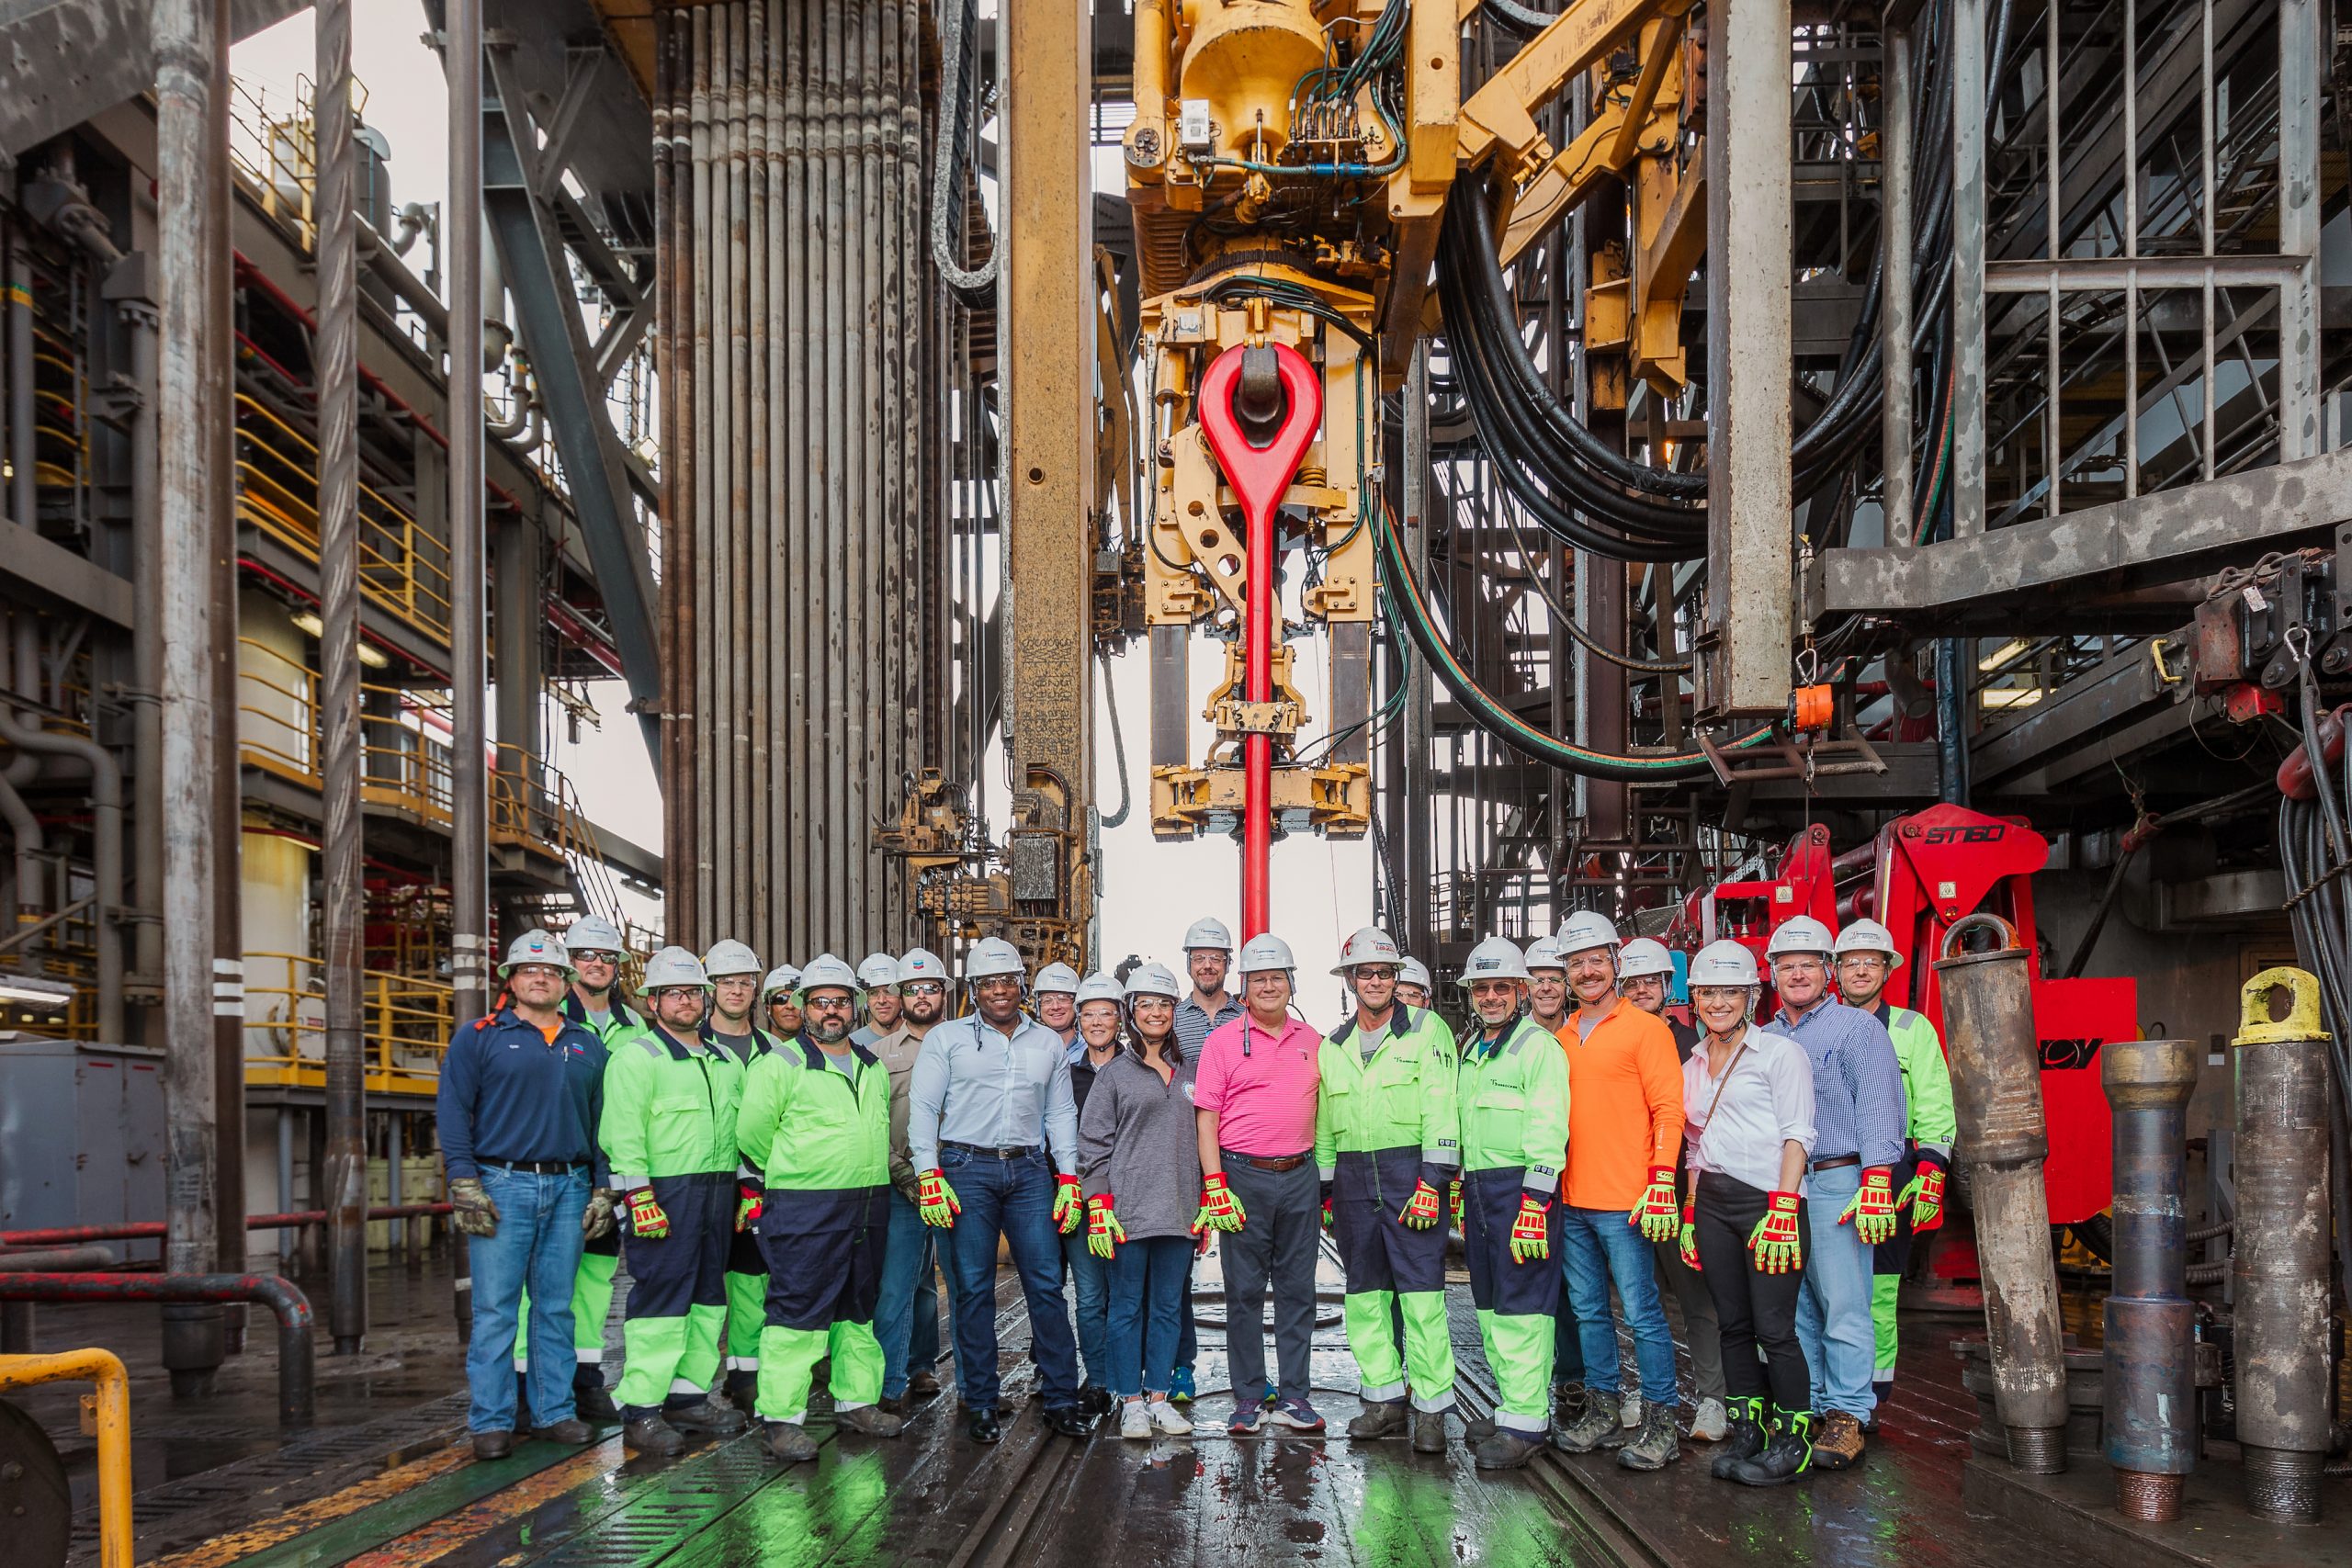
[1147,1281]
[907,1318]
[1014,1199]
[537,1244]
[1834,1307]
[1188,1340]
[1600,1247]
[1567,1340]
[1090,1282]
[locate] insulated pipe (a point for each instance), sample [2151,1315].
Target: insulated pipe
[2150,1322]
[140,324]
[22,502]
[56,1260]
[2281,1248]
[1997,1090]
[296,1353]
[468,769]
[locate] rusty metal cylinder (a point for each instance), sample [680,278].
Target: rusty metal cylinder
[2003,1139]
[2150,1324]
[2281,1246]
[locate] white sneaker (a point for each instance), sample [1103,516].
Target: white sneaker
[1710,1424]
[1629,1413]
[1134,1420]
[1170,1421]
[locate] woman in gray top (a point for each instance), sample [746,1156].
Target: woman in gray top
[1138,1157]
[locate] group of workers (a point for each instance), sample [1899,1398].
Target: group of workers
[787,1158]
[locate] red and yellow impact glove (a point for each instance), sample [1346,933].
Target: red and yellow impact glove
[750,1198]
[646,1219]
[1688,1242]
[1104,1231]
[1871,1211]
[1328,1187]
[1067,1211]
[1924,1193]
[937,1200]
[1423,1207]
[1531,1235]
[1654,1210]
[1774,1243]
[1220,1208]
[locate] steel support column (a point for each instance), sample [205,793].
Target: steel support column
[1420,729]
[468,771]
[1968,269]
[1896,87]
[2302,59]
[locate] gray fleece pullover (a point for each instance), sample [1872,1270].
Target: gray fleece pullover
[1137,1141]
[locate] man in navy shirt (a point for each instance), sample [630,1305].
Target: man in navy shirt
[520,1094]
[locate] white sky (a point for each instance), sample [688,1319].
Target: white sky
[1150,891]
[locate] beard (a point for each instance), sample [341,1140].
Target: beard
[827,1028]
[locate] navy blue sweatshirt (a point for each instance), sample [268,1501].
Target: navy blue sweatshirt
[507,1094]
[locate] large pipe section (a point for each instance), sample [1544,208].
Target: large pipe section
[469,957]
[790,175]
[2003,1139]
[2280,1326]
[296,1351]
[2150,1322]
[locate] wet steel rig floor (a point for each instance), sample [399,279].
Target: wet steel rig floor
[397,1486]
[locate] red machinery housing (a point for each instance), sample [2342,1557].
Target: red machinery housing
[1922,874]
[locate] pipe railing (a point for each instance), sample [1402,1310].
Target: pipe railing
[111,1409]
[297,1343]
[141,1230]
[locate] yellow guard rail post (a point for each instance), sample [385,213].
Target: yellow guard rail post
[110,1406]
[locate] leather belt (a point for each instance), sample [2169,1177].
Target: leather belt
[1287,1162]
[1841,1161]
[536,1166]
[1021,1153]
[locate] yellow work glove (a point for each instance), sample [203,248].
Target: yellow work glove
[1871,1211]
[937,1200]
[1654,1210]
[1104,1231]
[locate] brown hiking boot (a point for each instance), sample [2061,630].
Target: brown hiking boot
[1838,1442]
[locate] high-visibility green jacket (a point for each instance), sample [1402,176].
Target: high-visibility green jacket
[1513,1095]
[745,1048]
[1403,1098]
[620,1023]
[669,1107]
[1927,1078]
[817,1139]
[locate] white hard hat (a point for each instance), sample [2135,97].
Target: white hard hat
[1153,980]
[1057,978]
[1264,951]
[1799,933]
[1412,971]
[1101,989]
[784,978]
[675,967]
[1369,945]
[827,973]
[1586,929]
[1497,958]
[993,955]
[879,970]
[1869,936]
[536,946]
[1545,952]
[921,964]
[730,957]
[1644,955]
[1723,963]
[593,933]
[1208,931]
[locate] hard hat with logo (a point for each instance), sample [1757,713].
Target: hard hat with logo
[1869,936]
[1644,955]
[1057,978]
[1584,930]
[1369,945]
[921,964]
[1153,980]
[730,957]
[535,946]
[1799,933]
[879,970]
[675,967]
[993,955]
[827,973]
[784,978]
[1264,951]
[1101,989]
[1725,963]
[1497,958]
[1544,953]
[1412,971]
[1208,931]
[593,933]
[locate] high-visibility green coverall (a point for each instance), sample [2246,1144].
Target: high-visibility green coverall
[1382,1128]
[600,1260]
[669,1125]
[1513,1101]
[747,1271]
[1926,1090]
[814,1130]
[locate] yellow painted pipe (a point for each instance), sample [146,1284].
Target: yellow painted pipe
[104,1369]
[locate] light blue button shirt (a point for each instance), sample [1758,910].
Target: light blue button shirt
[973,1084]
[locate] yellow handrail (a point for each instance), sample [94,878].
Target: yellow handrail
[111,1409]
[406,1021]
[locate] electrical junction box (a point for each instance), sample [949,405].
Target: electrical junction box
[1195,130]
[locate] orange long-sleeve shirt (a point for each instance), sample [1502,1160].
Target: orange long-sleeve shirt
[1624,1107]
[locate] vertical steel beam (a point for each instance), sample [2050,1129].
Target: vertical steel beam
[1749,191]
[1420,730]
[1968,268]
[192,416]
[1897,91]
[2302,58]
[334,249]
[469,772]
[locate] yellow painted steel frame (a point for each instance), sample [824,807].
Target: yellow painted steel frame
[108,1414]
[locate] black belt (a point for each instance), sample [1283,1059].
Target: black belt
[1841,1161]
[536,1166]
[1021,1153]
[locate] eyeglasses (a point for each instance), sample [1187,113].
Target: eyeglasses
[535,972]
[925,989]
[828,1004]
[613,959]
[1375,972]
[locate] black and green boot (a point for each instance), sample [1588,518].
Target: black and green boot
[1744,1440]
[1786,1457]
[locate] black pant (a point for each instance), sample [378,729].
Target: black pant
[1757,1312]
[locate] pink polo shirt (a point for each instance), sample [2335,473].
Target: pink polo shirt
[1264,1097]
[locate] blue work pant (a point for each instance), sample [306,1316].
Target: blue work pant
[907,1319]
[1600,1247]
[1089,1289]
[1147,1281]
[1276,1248]
[536,1245]
[1834,1308]
[1013,1199]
